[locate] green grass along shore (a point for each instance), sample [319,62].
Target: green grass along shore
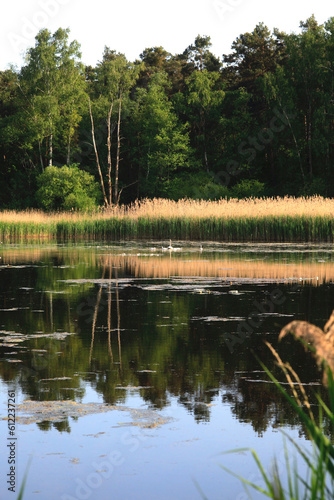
[271,229]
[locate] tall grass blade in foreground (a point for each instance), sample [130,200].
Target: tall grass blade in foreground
[24,480]
[319,481]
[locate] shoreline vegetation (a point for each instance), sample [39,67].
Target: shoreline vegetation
[257,121]
[281,220]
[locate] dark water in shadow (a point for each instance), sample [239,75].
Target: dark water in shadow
[140,327]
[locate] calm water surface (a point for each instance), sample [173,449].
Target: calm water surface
[166,337]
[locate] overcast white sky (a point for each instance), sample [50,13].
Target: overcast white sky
[130,26]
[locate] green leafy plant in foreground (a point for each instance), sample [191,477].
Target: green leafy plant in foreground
[319,481]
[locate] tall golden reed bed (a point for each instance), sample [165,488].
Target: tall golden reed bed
[161,208]
[285,219]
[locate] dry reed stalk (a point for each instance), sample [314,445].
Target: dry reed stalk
[286,368]
[315,206]
[320,342]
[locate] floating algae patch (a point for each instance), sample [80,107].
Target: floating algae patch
[217,318]
[133,387]
[13,337]
[55,378]
[30,412]
[12,309]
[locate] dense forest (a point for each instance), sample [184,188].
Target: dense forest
[257,122]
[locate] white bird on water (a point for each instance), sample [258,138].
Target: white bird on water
[170,248]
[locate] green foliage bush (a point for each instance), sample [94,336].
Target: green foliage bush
[247,188]
[199,186]
[316,186]
[67,188]
[202,186]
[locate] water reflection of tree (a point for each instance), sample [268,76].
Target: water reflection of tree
[253,399]
[109,314]
[96,311]
[128,336]
[61,426]
[191,368]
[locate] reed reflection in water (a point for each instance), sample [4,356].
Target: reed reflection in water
[144,266]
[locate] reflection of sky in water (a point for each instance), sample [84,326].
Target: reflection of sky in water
[170,341]
[91,396]
[151,463]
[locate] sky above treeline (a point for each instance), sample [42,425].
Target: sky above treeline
[130,26]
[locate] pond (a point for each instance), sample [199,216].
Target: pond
[134,366]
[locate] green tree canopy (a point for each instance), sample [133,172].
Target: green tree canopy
[52,88]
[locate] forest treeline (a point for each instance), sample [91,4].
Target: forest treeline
[259,121]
